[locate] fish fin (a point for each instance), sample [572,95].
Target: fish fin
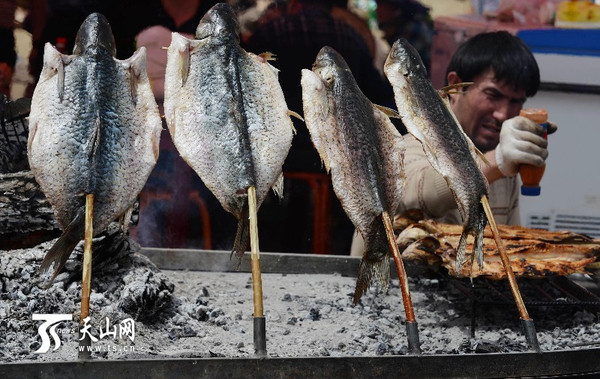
[55,62]
[431,150]
[60,252]
[387,111]
[184,68]
[477,253]
[380,270]
[278,186]
[136,65]
[460,250]
[32,132]
[478,248]
[375,263]
[444,91]
[325,162]
[267,56]
[125,219]
[294,114]
[241,236]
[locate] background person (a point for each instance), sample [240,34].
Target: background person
[504,73]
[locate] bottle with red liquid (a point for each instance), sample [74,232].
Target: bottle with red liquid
[532,175]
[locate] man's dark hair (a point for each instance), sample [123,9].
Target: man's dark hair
[512,61]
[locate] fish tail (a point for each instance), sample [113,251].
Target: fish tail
[375,263]
[461,249]
[478,248]
[380,270]
[241,236]
[63,247]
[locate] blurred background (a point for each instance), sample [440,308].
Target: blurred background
[176,210]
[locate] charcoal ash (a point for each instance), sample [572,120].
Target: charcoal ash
[203,314]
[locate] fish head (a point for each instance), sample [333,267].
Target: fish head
[220,22]
[405,60]
[330,66]
[95,32]
[314,95]
[311,80]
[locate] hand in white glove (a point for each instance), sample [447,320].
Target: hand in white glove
[521,142]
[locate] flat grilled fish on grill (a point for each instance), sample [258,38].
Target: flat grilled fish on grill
[94,129]
[363,151]
[227,114]
[429,118]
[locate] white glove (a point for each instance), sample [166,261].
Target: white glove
[521,142]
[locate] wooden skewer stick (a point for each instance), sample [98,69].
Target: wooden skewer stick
[453,88]
[411,323]
[260,340]
[84,353]
[512,281]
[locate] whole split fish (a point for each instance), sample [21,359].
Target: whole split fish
[363,151]
[94,129]
[428,117]
[227,114]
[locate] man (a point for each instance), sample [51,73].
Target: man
[504,73]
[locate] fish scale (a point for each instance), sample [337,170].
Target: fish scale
[363,151]
[94,129]
[429,118]
[227,114]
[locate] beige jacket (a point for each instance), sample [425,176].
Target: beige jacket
[427,190]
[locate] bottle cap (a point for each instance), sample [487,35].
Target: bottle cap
[530,191]
[537,115]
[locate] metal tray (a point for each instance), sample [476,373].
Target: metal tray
[582,363]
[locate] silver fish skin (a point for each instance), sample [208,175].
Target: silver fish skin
[94,129]
[227,114]
[449,150]
[363,151]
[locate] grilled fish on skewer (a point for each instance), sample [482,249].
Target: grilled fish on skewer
[451,153]
[227,114]
[429,118]
[94,129]
[363,151]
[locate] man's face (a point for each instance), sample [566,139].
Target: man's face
[484,106]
